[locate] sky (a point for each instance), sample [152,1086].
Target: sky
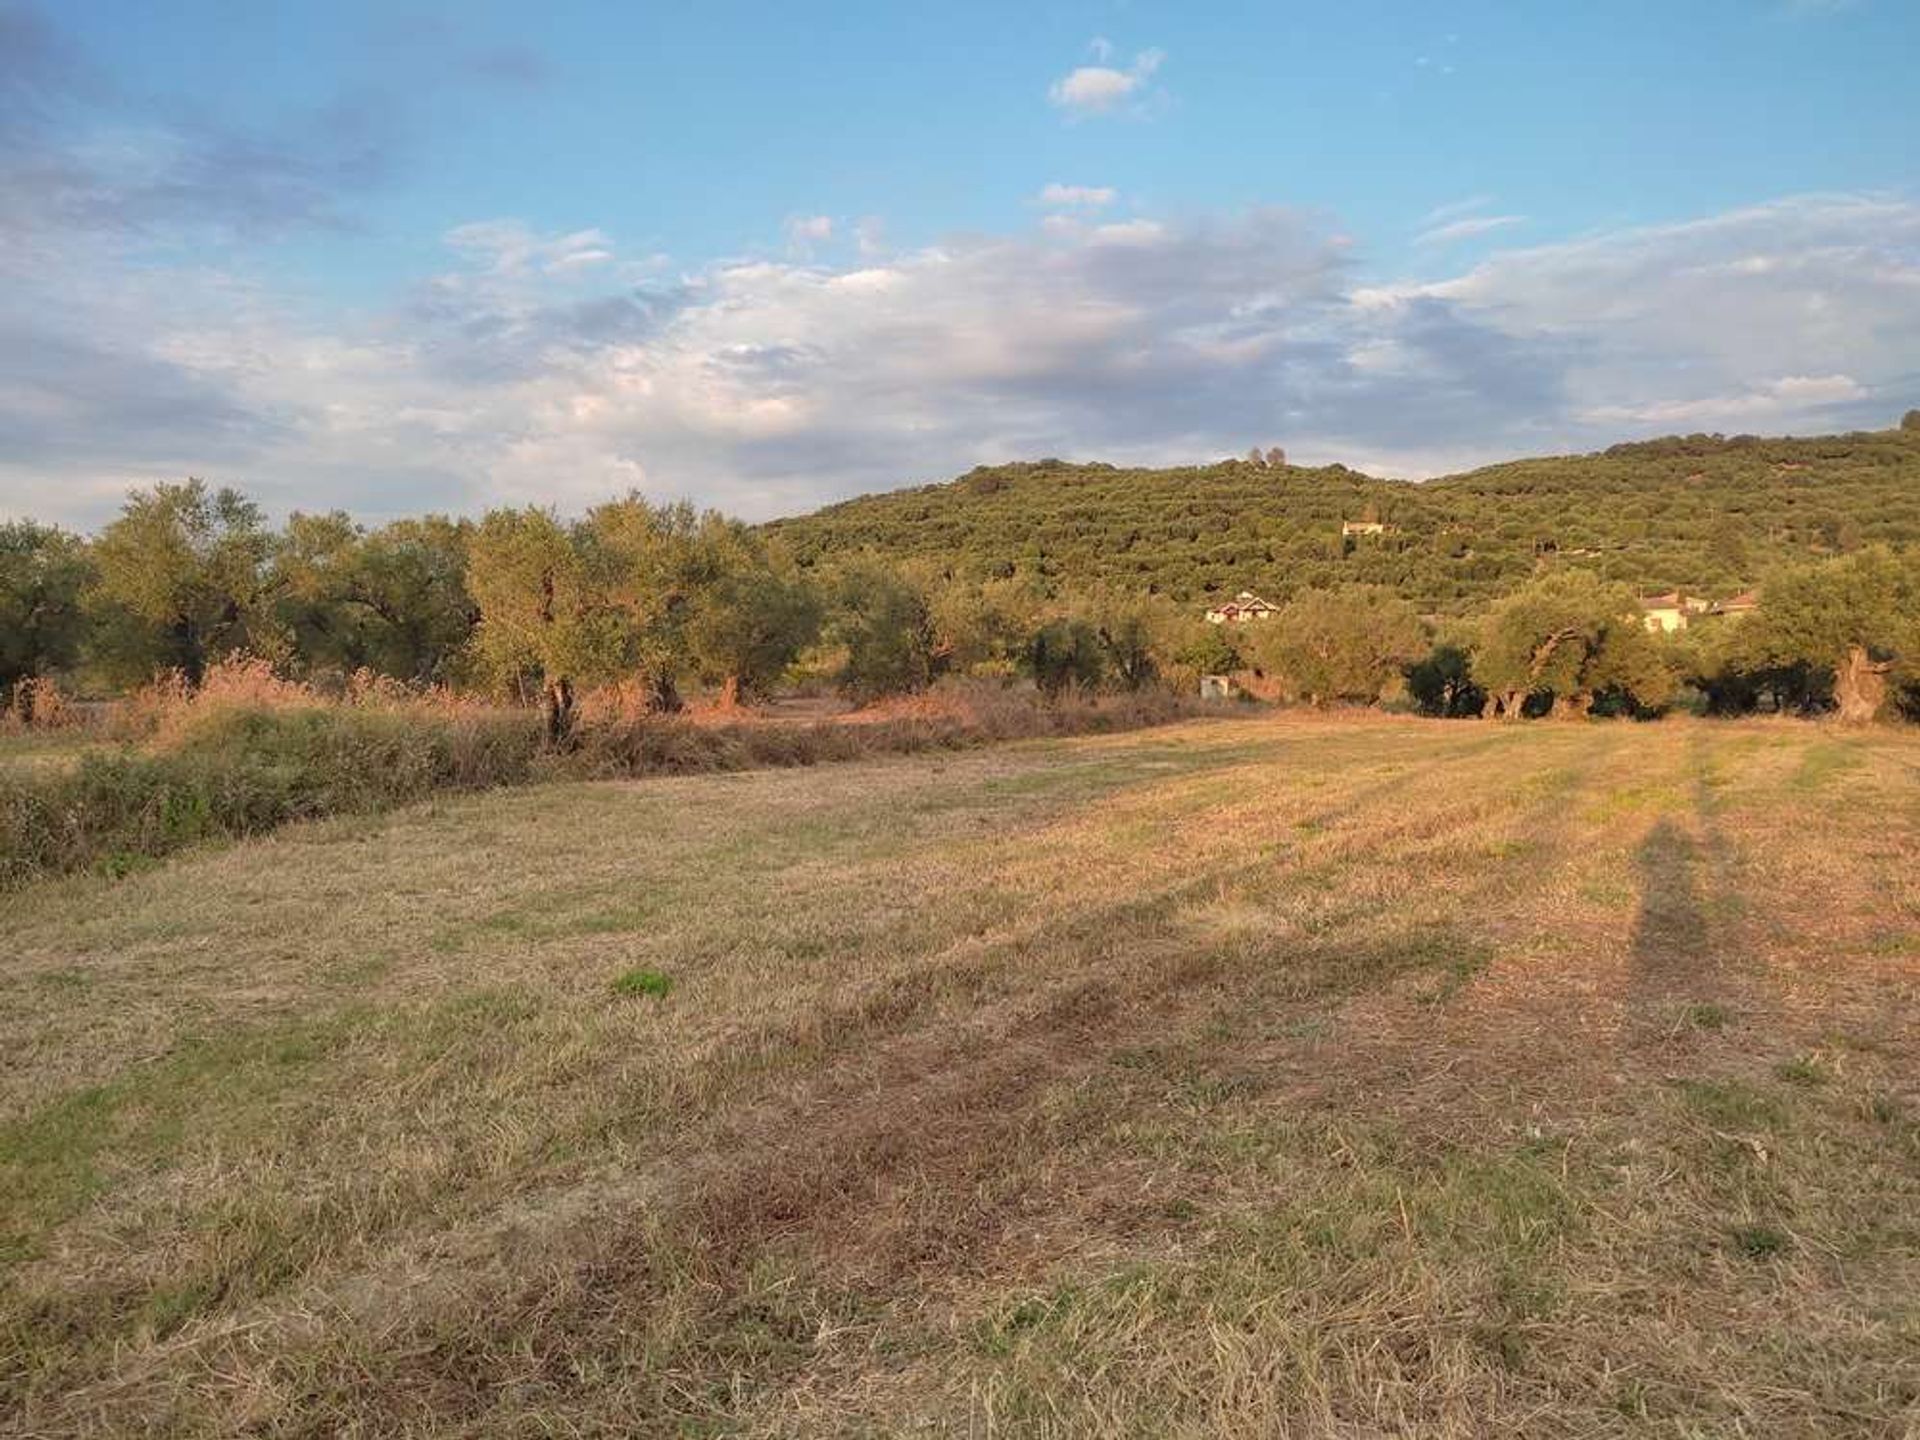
[396,258]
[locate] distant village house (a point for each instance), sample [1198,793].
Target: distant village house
[1745,603]
[1667,612]
[1242,608]
[1350,528]
[1671,611]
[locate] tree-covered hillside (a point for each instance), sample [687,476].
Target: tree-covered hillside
[1707,514]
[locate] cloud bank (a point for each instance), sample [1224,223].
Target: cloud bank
[552,368]
[142,337]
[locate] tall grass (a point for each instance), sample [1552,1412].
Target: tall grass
[249,751]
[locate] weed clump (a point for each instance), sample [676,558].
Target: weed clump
[1758,1242]
[650,983]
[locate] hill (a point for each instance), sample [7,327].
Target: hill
[1707,513]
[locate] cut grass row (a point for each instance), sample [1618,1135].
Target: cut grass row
[1289,1077]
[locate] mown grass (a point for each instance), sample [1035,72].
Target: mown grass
[257,753]
[1296,1076]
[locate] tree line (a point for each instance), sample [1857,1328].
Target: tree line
[1840,634]
[524,602]
[662,599]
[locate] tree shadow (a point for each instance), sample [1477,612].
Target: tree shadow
[1669,941]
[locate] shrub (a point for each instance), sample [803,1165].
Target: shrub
[248,752]
[237,772]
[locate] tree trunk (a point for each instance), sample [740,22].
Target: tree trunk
[1572,707]
[730,693]
[193,667]
[1859,686]
[663,696]
[556,705]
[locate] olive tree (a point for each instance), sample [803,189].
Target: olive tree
[43,574]
[750,615]
[180,580]
[1345,644]
[546,597]
[1858,615]
[1571,633]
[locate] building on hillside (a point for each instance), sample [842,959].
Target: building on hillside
[1745,603]
[1351,528]
[1244,607]
[1667,612]
[1216,687]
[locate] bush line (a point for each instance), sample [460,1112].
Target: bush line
[245,772]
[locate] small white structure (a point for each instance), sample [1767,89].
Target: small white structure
[1350,528]
[1216,687]
[1242,608]
[1665,613]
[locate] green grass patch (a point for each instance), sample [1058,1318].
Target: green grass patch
[1758,1242]
[1704,1015]
[1732,1104]
[650,983]
[1823,762]
[1802,1070]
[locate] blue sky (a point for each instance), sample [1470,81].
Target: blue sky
[397,258]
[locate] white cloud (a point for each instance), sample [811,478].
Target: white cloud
[806,231]
[1771,401]
[512,249]
[1454,209]
[1466,228]
[1091,196]
[770,385]
[1101,89]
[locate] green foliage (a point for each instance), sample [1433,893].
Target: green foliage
[1441,683]
[1856,618]
[180,582]
[752,614]
[983,628]
[43,573]
[1134,633]
[1819,612]
[1065,653]
[547,596]
[883,624]
[1570,635]
[1345,644]
[393,601]
[1708,514]
[1759,1242]
[1207,650]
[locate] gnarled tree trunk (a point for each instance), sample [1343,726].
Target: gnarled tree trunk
[1859,686]
[1573,706]
[556,708]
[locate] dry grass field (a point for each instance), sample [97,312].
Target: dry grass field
[1269,1077]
